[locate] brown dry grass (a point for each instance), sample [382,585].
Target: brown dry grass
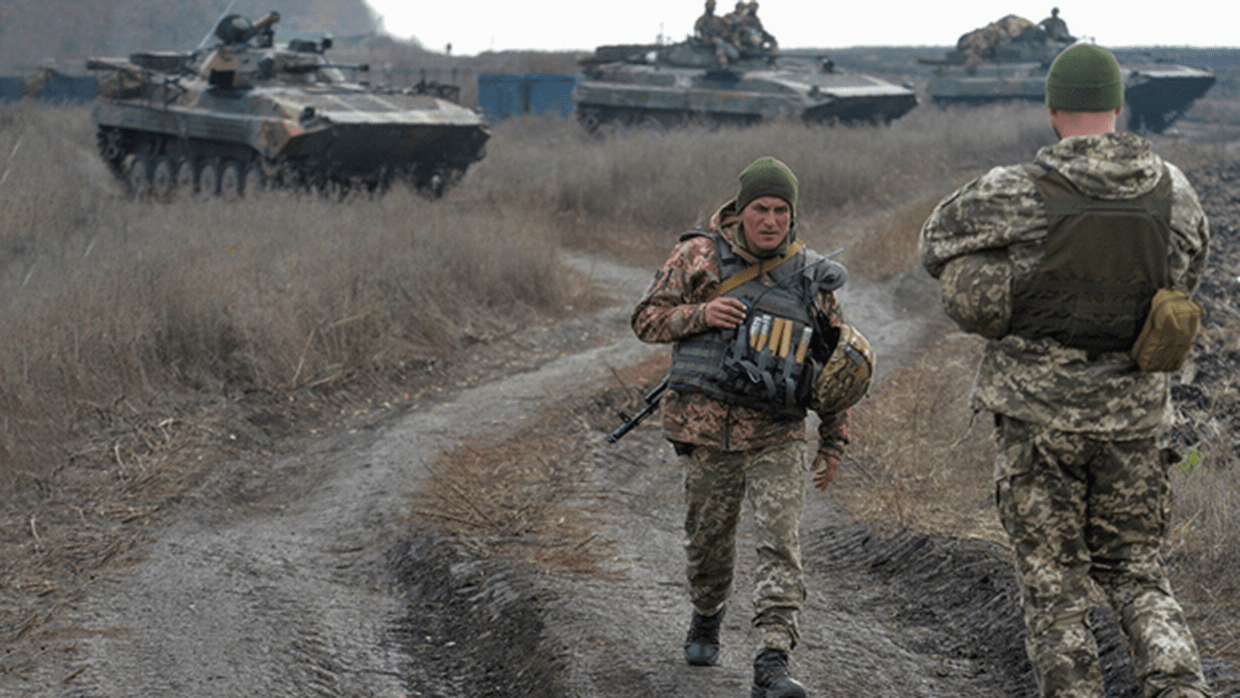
[633,192]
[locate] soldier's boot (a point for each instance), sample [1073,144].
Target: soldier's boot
[771,678]
[702,641]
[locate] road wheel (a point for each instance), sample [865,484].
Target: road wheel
[138,176]
[163,177]
[112,149]
[185,178]
[589,118]
[232,178]
[208,179]
[255,180]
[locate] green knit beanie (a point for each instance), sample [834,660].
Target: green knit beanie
[1085,77]
[767,177]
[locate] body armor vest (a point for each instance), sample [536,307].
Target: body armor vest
[761,364]
[1104,261]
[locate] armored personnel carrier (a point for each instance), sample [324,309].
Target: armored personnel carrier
[242,114]
[725,84]
[1008,60]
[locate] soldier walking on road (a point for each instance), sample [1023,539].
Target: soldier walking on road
[1060,264]
[753,317]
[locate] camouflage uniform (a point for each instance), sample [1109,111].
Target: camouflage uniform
[728,451]
[1056,29]
[751,34]
[709,26]
[1081,486]
[714,32]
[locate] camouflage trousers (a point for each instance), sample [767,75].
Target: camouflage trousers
[716,485]
[1078,509]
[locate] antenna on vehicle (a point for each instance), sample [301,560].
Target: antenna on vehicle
[215,24]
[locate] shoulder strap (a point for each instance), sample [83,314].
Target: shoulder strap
[752,272]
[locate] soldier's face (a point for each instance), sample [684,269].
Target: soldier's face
[766,220]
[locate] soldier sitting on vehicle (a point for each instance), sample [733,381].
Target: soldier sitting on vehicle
[709,26]
[1056,29]
[715,32]
[751,33]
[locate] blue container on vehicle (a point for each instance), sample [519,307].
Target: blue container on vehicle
[504,95]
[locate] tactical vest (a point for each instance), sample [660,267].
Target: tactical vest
[775,375]
[1104,261]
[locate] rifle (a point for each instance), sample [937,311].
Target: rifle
[652,401]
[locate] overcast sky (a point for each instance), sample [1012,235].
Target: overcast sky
[473,26]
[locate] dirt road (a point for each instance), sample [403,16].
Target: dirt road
[302,578]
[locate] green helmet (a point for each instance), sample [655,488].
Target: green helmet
[846,377]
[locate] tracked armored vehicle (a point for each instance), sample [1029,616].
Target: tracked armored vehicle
[1008,60]
[693,82]
[242,114]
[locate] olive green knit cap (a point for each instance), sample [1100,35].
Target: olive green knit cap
[1085,77]
[767,177]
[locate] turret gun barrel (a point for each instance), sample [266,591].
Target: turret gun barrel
[271,18]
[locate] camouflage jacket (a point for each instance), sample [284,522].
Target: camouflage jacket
[994,229]
[673,308]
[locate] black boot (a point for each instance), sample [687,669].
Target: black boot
[771,678]
[702,642]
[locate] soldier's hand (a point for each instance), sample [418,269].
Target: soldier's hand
[825,465]
[724,312]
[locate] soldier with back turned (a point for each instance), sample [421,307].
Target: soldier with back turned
[1061,263]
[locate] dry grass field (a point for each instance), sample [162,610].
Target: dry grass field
[139,335]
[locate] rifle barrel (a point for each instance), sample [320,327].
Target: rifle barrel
[652,401]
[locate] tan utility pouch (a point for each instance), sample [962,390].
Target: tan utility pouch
[1169,331]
